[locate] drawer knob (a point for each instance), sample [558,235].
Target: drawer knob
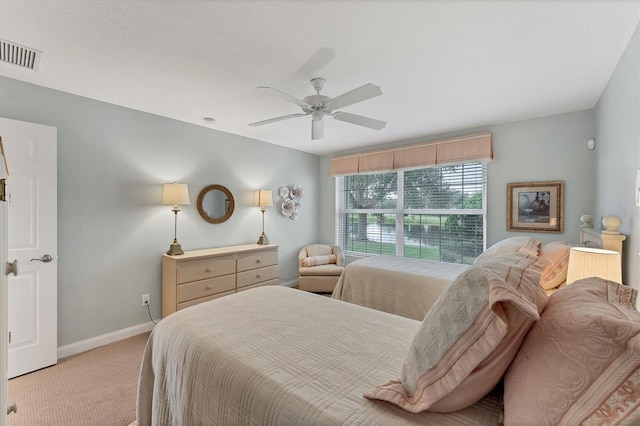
[259,276]
[209,269]
[258,261]
[209,287]
[13,408]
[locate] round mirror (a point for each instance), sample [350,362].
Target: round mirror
[215,203]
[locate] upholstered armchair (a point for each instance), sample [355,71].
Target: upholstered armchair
[319,267]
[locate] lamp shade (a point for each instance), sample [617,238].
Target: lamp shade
[175,194]
[263,198]
[591,262]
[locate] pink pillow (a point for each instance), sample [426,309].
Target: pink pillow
[580,364]
[319,260]
[469,336]
[557,253]
[510,245]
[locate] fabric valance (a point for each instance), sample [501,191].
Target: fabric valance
[476,147]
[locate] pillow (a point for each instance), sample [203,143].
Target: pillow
[319,260]
[557,253]
[580,364]
[319,250]
[510,245]
[469,336]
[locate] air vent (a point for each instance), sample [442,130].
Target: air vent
[16,54]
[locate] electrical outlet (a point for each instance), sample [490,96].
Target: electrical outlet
[145,300]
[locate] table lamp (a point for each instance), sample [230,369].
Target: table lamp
[176,194]
[263,199]
[592,262]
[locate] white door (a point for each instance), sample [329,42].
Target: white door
[31,151]
[4,331]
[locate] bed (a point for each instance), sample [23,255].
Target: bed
[275,355]
[397,285]
[409,287]
[278,356]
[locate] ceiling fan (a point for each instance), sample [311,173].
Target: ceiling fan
[318,106]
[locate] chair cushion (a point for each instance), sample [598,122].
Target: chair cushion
[330,269]
[319,250]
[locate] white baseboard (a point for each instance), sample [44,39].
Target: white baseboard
[96,342]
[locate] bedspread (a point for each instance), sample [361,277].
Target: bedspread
[398,285]
[280,356]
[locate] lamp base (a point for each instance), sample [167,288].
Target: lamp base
[263,240]
[175,249]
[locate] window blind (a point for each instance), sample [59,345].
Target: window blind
[433,213]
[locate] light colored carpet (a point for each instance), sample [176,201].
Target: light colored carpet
[97,387]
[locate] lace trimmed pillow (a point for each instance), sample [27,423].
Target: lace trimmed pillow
[580,364]
[470,335]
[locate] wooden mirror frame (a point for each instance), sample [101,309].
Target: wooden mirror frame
[204,214]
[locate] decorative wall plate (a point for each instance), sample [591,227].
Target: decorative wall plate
[292,202]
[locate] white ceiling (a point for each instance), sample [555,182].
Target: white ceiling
[442,65]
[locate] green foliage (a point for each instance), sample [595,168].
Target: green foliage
[371,191]
[448,237]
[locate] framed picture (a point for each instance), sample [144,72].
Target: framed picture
[535,206]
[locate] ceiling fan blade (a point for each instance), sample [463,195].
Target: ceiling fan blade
[317,129]
[273,120]
[360,120]
[360,94]
[318,61]
[286,96]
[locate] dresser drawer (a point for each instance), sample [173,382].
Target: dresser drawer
[257,260]
[197,289]
[257,275]
[249,287]
[203,299]
[206,268]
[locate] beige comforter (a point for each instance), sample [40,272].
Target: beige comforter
[398,285]
[279,356]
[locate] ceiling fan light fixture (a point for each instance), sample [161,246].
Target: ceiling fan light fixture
[317,129]
[319,105]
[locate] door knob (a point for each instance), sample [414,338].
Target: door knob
[12,268]
[46,258]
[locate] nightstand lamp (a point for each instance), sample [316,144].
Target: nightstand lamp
[176,194]
[592,262]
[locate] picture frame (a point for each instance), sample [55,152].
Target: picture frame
[535,206]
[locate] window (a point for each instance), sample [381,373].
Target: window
[435,213]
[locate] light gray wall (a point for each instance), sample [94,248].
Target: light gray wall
[112,162]
[112,229]
[618,153]
[542,149]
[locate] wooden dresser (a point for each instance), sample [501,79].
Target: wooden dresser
[201,275]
